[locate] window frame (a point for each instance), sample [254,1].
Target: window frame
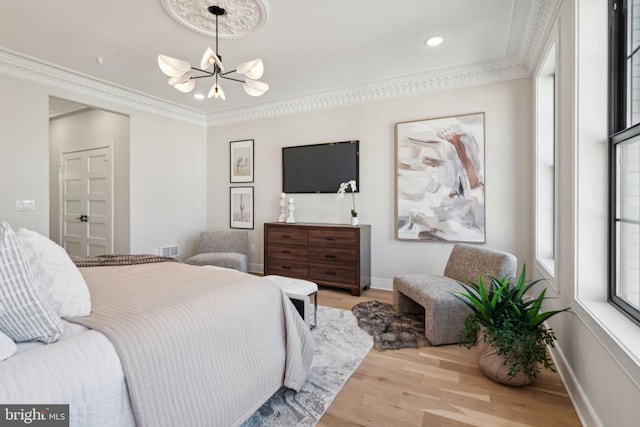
[546,94]
[619,133]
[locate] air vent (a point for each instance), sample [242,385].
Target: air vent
[171,251]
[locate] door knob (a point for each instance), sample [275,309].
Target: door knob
[83,218]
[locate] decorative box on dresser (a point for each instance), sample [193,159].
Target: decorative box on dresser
[328,254]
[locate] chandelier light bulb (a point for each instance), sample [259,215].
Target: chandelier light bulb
[256,87]
[187,86]
[183,76]
[216,92]
[173,67]
[252,69]
[209,58]
[173,81]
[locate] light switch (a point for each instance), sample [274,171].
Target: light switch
[25,205]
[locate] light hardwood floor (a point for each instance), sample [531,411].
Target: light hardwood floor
[437,387]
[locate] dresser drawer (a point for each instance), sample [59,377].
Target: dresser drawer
[331,255]
[289,268]
[287,236]
[332,273]
[287,252]
[338,238]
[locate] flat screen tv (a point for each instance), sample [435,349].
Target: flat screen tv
[319,168]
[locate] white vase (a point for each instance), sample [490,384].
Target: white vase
[290,218]
[283,215]
[354,221]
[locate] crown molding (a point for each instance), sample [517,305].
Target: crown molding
[541,20]
[400,87]
[34,71]
[540,23]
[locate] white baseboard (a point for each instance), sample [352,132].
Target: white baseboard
[255,268]
[383,284]
[585,411]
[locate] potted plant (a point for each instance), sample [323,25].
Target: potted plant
[508,329]
[343,188]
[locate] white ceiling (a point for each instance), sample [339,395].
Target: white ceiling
[309,47]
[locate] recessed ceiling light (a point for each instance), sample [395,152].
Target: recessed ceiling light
[198,96]
[434,41]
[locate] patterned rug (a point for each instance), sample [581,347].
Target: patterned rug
[390,330]
[340,348]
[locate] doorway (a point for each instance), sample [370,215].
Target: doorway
[89,179]
[86,214]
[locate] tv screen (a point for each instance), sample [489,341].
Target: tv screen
[319,168]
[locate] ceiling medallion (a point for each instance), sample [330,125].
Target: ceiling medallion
[244,18]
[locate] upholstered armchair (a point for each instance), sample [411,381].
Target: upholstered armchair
[223,248]
[433,294]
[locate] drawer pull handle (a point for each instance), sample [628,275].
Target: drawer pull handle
[286,267]
[331,273]
[286,252]
[286,236]
[331,238]
[331,256]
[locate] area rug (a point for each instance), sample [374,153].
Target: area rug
[390,330]
[340,348]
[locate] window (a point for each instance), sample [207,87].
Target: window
[545,178]
[624,157]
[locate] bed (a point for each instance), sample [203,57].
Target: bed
[166,344]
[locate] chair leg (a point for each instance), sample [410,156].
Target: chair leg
[404,304]
[315,310]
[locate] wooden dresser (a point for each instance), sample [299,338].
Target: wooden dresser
[327,254]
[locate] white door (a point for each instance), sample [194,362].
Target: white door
[86,207]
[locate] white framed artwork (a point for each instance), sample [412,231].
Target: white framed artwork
[241,161]
[241,207]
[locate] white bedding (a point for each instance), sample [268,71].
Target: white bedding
[257,343]
[82,369]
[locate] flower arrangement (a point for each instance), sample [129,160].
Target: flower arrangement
[343,188]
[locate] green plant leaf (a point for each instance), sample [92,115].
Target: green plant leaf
[511,322]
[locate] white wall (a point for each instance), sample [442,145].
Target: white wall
[168,184]
[508,172]
[90,129]
[595,348]
[24,154]
[168,170]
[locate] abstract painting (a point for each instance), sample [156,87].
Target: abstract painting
[440,179]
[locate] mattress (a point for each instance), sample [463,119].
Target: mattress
[82,370]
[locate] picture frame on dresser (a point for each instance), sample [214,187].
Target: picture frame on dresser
[241,161]
[440,182]
[241,207]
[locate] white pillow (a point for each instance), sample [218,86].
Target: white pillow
[23,293]
[69,292]
[7,347]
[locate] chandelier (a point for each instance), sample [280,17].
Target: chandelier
[182,75]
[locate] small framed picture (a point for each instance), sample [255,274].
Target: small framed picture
[241,204]
[241,161]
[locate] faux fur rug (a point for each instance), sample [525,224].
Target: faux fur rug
[390,330]
[340,348]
